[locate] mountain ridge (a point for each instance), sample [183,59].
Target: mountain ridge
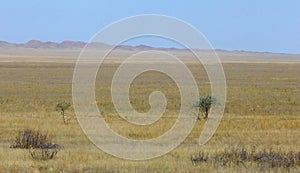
[68,44]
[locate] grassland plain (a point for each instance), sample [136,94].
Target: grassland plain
[262,110]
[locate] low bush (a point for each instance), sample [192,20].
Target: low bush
[31,139]
[39,144]
[240,155]
[43,154]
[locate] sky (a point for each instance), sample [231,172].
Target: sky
[264,26]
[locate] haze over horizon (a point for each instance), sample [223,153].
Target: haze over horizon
[259,26]
[71,44]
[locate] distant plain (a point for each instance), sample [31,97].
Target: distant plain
[262,110]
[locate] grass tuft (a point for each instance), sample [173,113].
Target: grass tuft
[240,156]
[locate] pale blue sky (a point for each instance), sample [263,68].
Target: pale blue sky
[256,25]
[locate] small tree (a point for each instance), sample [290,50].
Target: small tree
[204,104]
[62,107]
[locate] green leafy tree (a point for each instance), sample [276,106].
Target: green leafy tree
[62,107]
[204,104]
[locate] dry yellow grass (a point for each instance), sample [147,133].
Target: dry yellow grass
[262,110]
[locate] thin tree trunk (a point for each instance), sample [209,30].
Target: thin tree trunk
[63,116]
[199,115]
[206,113]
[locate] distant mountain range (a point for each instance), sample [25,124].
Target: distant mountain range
[36,44]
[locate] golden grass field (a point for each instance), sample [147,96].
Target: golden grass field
[262,110]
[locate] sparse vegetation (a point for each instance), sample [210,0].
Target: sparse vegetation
[255,115]
[62,107]
[241,156]
[31,139]
[43,154]
[204,104]
[38,144]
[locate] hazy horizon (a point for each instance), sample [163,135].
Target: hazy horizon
[137,46]
[259,26]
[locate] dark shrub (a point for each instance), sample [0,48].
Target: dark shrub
[39,144]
